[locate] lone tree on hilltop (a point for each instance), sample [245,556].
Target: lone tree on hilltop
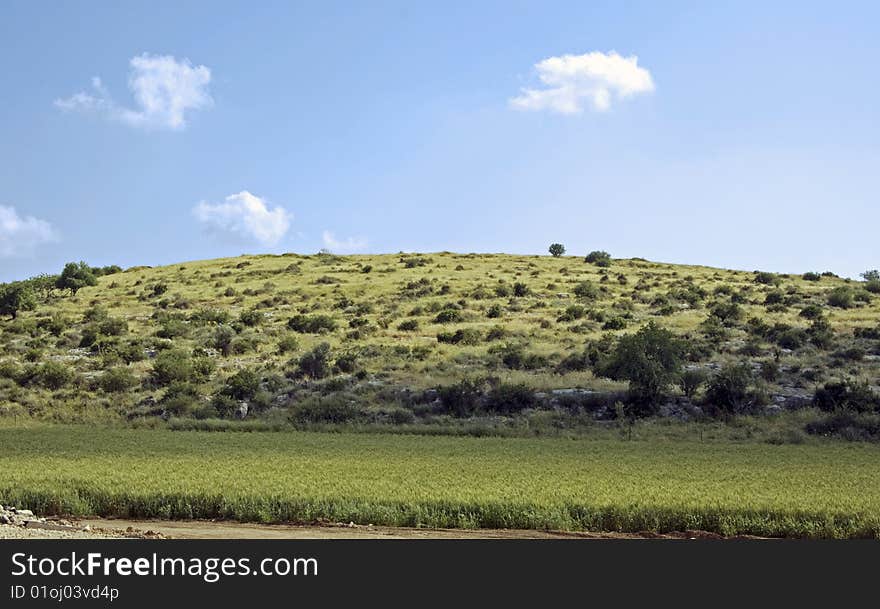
[76,275]
[557,249]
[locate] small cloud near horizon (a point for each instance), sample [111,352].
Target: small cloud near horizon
[347,246]
[593,79]
[21,235]
[245,217]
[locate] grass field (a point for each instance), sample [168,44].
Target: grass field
[821,489]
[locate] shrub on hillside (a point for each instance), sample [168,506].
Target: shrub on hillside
[520,289]
[495,311]
[462,336]
[333,409]
[251,317]
[243,385]
[288,344]
[586,290]
[811,311]
[172,366]
[692,380]
[811,276]
[315,363]
[181,399]
[462,398]
[846,395]
[447,316]
[117,380]
[847,426]
[728,389]
[52,375]
[599,258]
[767,278]
[841,297]
[311,324]
[408,325]
[510,398]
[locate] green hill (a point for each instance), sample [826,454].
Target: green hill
[401,339]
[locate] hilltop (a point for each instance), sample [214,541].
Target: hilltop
[410,338]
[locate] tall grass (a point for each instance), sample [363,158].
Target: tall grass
[813,490]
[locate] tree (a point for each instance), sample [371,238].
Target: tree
[557,249]
[872,275]
[16,296]
[315,364]
[43,284]
[729,388]
[650,360]
[76,275]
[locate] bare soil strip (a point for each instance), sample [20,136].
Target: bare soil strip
[199,529]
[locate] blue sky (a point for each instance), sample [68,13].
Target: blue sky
[744,135]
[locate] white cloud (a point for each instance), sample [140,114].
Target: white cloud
[352,244]
[19,235]
[246,217]
[164,90]
[593,79]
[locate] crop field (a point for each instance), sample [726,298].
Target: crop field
[825,489]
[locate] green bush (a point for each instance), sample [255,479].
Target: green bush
[333,409]
[463,336]
[495,311]
[288,344]
[409,325]
[556,250]
[520,289]
[841,297]
[728,389]
[811,276]
[172,366]
[311,324]
[510,398]
[117,380]
[52,375]
[599,258]
[811,311]
[173,328]
[462,398]
[846,395]
[767,278]
[251,318]
[691,381]
[243,385]
[448,316]
[586,290]
[181,399]
[315,363]
[222,339]
[614,323]
[346,363]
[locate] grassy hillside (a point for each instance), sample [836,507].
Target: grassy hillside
[149,342]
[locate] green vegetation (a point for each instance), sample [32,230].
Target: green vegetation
[388,336]
[603,483]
